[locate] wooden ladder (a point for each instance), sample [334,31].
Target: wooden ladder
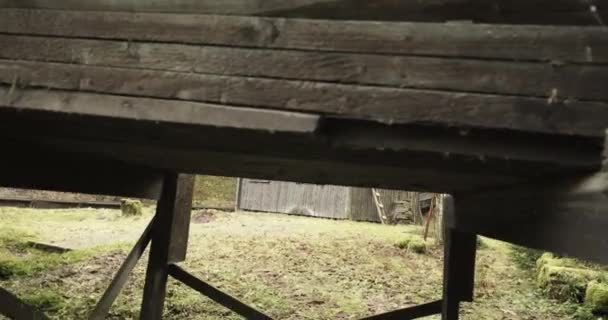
[379,206]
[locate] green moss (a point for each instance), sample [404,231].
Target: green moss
[550,259]
[565,283]
[413,243]
[45,300]
[596,297]
[131,208]
[525,258]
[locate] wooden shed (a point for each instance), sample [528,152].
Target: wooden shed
[326,201]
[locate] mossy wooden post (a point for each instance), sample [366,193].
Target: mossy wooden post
[169,240]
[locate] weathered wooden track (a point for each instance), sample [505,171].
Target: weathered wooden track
[117,94]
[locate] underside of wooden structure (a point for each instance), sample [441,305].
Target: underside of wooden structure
[500,103]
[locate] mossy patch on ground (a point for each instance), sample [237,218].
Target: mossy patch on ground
[413,243]
[596,297]
[548,258]
[565,283]
[44,299]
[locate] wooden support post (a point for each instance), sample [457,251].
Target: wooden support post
[459,264]
[175,197]
[178,243]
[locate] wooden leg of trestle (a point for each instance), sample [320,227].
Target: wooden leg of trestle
[459,265]
[168,242]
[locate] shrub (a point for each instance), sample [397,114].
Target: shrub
[131,208]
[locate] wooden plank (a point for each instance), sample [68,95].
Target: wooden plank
[533,214]
[507,11]
[182,208]
[216,295]
[47,247]
[13,307]
[103,305]
[155,287]
[469,75]
[181,112]
[509,42]
[415,312]
[72,172]
[389,105]
[459,263]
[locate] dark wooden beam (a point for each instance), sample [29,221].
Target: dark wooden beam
[73,172]
[13,307]
[458,40]
[533,214]
[415,312]
[506,11]
[103,305]
[341,152]
[155,287]
[216,295]
[390,105]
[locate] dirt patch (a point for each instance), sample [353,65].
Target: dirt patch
[203,216]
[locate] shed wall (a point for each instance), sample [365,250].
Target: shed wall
[295,198]
[363,208]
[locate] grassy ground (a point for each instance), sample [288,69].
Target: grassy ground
[290,267]
[215,191]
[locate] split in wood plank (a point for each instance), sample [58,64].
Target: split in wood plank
[505,42]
